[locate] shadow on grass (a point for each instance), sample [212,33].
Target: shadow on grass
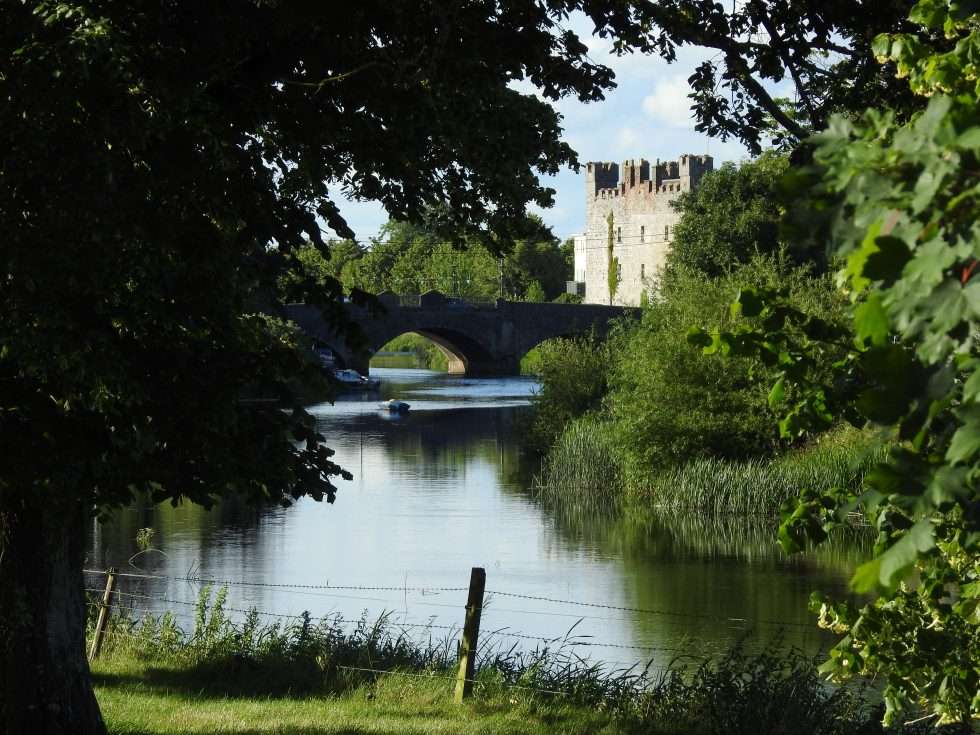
[245,679]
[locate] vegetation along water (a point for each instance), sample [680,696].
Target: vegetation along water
[803,368]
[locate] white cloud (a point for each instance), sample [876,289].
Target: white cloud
[627,139]
[669,103]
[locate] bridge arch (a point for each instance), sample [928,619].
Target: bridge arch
[479,338]
[463,352]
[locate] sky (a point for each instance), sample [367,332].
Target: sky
[646,116]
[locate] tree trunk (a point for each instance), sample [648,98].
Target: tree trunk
[45,684]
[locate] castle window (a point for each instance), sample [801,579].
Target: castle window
[643,271]
[642,233]
[666,231]
[619,271]
[619,234]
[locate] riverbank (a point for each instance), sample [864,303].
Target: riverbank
[142,698]
[295,677]
[584,468]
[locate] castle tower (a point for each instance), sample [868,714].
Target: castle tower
[630,204]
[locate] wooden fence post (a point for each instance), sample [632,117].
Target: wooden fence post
[471,634]
[110,582]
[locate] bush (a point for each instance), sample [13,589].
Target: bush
[669,403]
[573,382]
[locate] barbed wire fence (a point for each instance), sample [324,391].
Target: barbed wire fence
[134,605]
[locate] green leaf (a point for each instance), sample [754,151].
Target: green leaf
[887,262]
[949,486]
[871,321]
[698,337]
[966,442]
[929,13]
[895,562]
[778,393]
[969,139]
[866,576]
[856,260]
[881,405]
[970,590]
[748,302]
[971,388]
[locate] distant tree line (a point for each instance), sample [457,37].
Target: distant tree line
[412,258]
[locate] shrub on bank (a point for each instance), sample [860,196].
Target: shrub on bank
[669,403]
[573,375]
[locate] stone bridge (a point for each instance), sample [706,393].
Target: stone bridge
[478,339]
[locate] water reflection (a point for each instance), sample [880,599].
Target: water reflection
[446,488]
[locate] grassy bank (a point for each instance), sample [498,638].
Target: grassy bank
[299,676]
[760,486]
[141,697]
[585,469]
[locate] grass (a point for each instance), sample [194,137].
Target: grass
[132,702]
[419,352]
[761,486]
[582,471]
[300,677]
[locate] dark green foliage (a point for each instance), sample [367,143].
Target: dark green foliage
[412,259]
[573,374]
[897,202]
[733,215]
[823,50]
[668,403]
[164,167]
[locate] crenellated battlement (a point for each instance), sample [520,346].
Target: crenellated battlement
[629,221]
[603,180]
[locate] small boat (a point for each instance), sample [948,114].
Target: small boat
[394,406]
[353,379]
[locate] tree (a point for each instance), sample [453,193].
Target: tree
[162,164]
[535,261]
[822,49]
[898,201]
[535,292]
[733,215]
[668,403]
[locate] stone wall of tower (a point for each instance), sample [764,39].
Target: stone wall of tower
[638,196]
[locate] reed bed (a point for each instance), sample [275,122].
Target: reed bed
[581,471]
[758,486]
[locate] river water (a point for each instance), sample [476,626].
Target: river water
[445,488]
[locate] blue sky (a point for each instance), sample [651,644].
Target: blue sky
[646,116]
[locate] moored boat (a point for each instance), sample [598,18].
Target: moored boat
[353,379]
[394,406]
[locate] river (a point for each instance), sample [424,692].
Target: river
[445,488]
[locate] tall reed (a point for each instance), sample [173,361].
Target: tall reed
[757,486]
[581,469]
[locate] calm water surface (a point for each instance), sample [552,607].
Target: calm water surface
[445,488]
